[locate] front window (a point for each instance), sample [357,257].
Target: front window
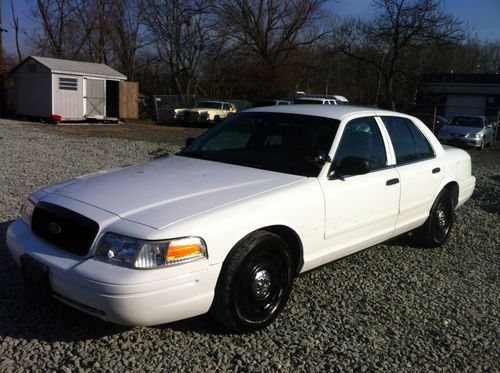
[209,105]
[467,122]
[362,138]
[287,143]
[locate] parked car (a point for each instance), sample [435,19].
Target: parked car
[226,224]
[434,124]
[206,111]
[314,99]
[467,130]
[303,98]
[260,103]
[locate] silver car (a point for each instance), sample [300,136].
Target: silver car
[468,130]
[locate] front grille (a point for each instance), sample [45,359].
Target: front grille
[63,228]
[194,115]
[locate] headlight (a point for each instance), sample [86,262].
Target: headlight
[27,211]
[136,253]
[474,135]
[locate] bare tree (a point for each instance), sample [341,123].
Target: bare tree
[181,31]
[400,27]
[126,33]
[270,29]
[93,16]
[15,25]
[62,33]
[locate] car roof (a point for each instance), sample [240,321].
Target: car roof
[327,111]
[215,102]
[312,99]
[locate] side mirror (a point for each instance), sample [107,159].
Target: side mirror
[489,126]
[351,166]
[322,158]
[189,141]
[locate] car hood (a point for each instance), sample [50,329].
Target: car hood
[165,191]
[461,129]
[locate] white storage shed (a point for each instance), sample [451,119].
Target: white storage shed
[72,90]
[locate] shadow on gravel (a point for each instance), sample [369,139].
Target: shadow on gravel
[493,208]
[203,324]
[24,314]
[496,178]
[404,240]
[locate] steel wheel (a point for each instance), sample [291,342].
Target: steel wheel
[260,285]
[442,221]
[255,282]
[438,225]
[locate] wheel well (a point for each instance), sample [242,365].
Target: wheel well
[452,187]
[293,241]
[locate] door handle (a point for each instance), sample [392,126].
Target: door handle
[392,181]
[436,170]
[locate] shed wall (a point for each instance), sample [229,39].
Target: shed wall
[33,87]
[68,103]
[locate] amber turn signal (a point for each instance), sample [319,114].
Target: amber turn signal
[183,251]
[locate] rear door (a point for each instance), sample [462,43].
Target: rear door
[420,172]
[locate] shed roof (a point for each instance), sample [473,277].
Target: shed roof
[78,67]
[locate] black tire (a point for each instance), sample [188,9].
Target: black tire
[216,119]
[437,227]
[254,284]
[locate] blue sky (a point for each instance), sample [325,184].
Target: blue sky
[482,15]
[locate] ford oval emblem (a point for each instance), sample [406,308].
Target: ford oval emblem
[55,228]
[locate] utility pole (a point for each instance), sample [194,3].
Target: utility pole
[2,68]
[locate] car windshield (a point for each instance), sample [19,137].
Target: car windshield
[467,122]
[209,105]
[287,143]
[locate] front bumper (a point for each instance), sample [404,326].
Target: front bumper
[118,294]
[462,141]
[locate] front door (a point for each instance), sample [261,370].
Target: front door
[95,98]
[361,210]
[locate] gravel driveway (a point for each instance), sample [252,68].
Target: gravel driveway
[394,307]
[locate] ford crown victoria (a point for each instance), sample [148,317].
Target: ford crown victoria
[225,225]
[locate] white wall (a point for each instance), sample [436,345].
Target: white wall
[68,103]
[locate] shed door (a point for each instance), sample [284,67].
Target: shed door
[95,98]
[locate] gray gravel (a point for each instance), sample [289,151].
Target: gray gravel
[394,307]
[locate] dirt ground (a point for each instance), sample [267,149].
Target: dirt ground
[172,133]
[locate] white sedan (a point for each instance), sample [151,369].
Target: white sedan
[226,225]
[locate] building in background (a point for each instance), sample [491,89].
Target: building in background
[460,94]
